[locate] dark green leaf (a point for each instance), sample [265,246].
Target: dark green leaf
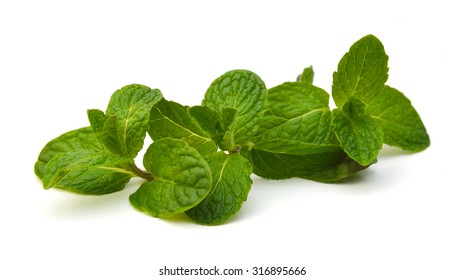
[206,118]
[319,162]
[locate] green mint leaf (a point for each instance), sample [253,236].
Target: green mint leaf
[87,172]
[241,90]
[296,111]
[362,72]
[97,119]
[229,126]
[181,179]
[223,128]
[110,136]
[220,127]
[206,118]
[75,140]
[211,122]
[359,134]
[170,119]
[401,124]
[286,159]
[128,115]
[230,186]
[307,76]
[297,147]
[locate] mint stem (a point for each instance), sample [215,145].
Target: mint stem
[141,173]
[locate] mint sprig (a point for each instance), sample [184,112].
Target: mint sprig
[201,159]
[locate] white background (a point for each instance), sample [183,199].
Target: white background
[400,219]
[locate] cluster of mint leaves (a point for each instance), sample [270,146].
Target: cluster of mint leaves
[202,157]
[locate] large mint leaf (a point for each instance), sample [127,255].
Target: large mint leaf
[128,114]
[87,172]
[296,111]
[230,186]
[241,90]
[75,140]
[170,119]
[362,72]
[181,179]
[401,124]
[359,134]
[286,159]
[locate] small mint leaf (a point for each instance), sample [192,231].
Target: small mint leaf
[229,127]
[181,179]
[359,134]
[307,76]
[110,136]
[401,124]
[211,122]
[244,91]
[206,118]
[97,119]
[362,72]
[230,186]
[298,112]
[169,119]
[128,115]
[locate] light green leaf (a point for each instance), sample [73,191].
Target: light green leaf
[362,72]
[230,186]
[97,119]
[170,119]
[296,111]
[359,134]
[318,162]
[75,140]
[128,115]
[241,90]
[110,136]
[307,76]
[87,172]
[401,124]
[182,178]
